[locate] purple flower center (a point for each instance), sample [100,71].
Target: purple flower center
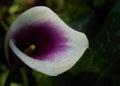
[48,38]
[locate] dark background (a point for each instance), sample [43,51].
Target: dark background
[98,19]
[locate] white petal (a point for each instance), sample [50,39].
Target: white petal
[77,41]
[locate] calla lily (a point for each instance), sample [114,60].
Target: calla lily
[40,39]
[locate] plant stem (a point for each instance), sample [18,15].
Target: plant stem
[23,72]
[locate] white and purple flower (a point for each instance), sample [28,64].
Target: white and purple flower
[40,39]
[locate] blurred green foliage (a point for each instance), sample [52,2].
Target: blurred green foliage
[99,66]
